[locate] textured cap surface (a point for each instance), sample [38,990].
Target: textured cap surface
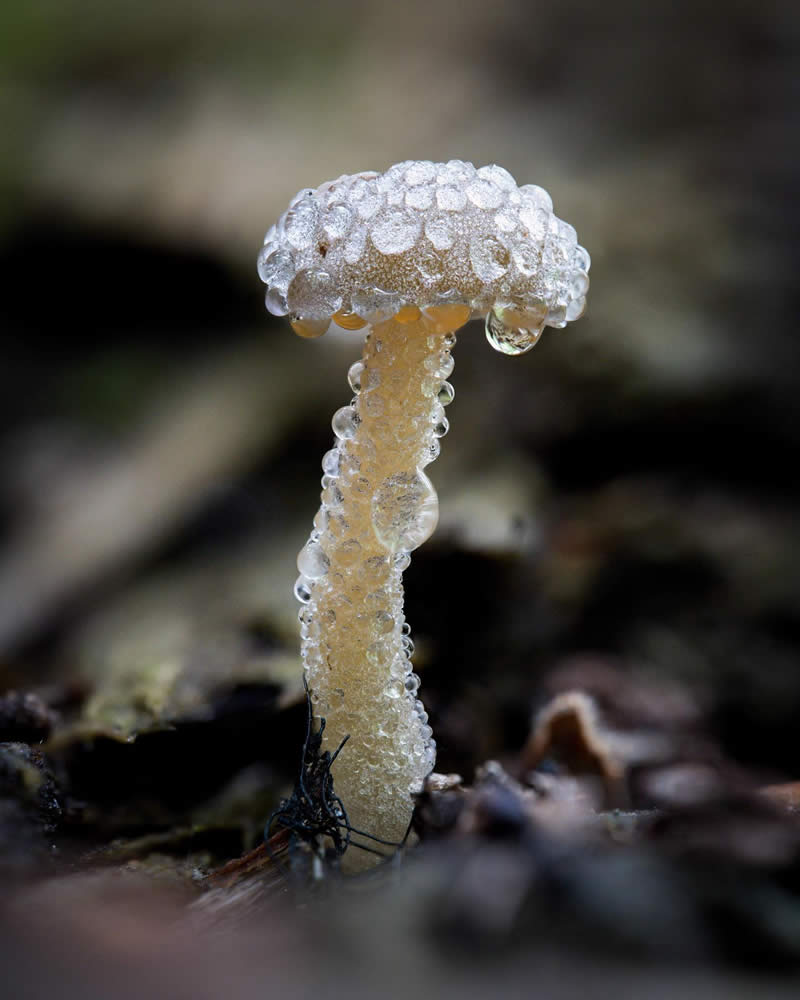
[424,234]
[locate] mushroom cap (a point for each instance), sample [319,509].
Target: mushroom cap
[424,234]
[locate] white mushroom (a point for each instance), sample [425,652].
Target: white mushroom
[410,256]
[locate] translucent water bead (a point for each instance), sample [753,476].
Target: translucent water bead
[509,337]
[405,511]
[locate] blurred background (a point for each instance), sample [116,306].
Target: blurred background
[620,502]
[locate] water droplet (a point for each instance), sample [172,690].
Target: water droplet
[456,172]
[579,286]
[429,265]
[395,689]
[576,309]
[405,510]
[394,232]
[497,175]
[369,204]
[309,328]
[528,257]
[412,681]
[276,301]
[374,305]
[421,172]
[421,197]
[330,462]
[345,422]
[446,317]
[384,623]
[509,339]
[312,561]
[450,199]
[537,196]
[300,224]
[272,263]
[434,450]
[313,294]
[490,259]
[301,194]
[567,237]
[446,394]
[446,365]
[440,232]
[505,222]
[557,317]
[484,194]
[353,247]
[536,221]
[441,427]
[408,314]
[348,320]
[302,591]
[402,561]
[354,374]
[582,259]
[338,220]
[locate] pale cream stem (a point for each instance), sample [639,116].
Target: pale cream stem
[379,505]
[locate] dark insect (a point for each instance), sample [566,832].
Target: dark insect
[314,814]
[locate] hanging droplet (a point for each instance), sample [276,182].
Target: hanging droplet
[408,314]
[354,374]
[349,320]
[309,328]
[509,339]
[405,510]
[441,427]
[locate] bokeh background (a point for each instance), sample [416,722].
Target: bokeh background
[623,498]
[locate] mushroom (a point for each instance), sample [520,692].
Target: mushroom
[408,256]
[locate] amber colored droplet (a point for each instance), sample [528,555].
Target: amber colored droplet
[310,328]
[408,314]
[448,317]
[348,320]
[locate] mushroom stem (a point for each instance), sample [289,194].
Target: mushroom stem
[377,505]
